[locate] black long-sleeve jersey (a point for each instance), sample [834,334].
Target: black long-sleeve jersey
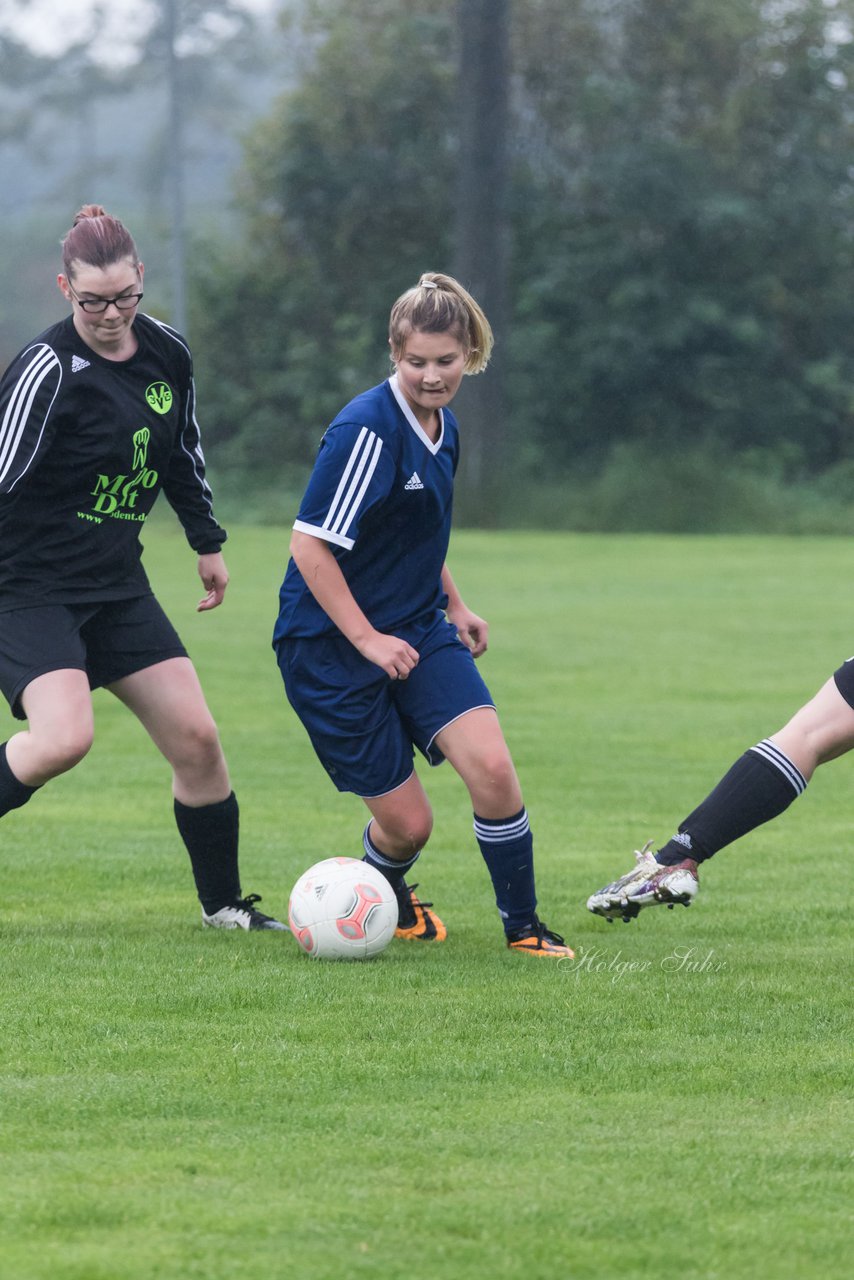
[86,445]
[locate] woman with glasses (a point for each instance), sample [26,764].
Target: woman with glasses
[97,415]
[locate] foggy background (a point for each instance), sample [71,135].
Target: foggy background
[651,198]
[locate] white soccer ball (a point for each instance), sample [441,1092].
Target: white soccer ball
[342,909]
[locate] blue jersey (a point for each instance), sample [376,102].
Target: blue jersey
[380,496]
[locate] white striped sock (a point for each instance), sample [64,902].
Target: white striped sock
[501,832]
[772,753]
[380,860]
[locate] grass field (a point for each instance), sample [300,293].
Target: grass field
[179,1103]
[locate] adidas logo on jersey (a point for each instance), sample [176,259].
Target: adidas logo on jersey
[78,363]
[414,482]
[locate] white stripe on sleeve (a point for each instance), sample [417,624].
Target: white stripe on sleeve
[357,475]
[18,410]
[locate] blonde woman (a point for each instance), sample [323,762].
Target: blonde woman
[375,644]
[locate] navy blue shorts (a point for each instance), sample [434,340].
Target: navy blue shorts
[108,641]
[363,725]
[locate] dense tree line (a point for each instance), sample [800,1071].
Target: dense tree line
[685,238]
[346,196]
[681,230]
[678,204]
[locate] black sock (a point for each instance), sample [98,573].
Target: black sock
[759,787]
[393,870]
[13,792]
[211,835]
[508,851]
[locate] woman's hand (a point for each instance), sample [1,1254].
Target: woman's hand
[324,579]
[395,656]
[472,630]
[214,576]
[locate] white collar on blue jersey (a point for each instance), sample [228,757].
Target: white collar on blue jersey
[433,445]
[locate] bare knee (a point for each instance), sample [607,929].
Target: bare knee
[198,749]
[494,785]
[58,707]
[412,836]
[55,752]
[404,836]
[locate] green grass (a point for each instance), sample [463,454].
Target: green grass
[674,1103]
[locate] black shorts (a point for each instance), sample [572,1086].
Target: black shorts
[106,640]
[844,678]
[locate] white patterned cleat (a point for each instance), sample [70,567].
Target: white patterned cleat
[648,885]
[242,914]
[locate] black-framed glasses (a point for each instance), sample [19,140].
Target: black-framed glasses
[96,306]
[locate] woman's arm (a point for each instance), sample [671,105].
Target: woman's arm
[324,579]
[472,630]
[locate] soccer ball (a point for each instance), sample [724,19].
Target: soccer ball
[342,909]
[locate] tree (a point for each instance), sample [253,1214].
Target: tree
[678,228]
[691,235]
[346,197]
[483,240]
[184,48]
[147,119]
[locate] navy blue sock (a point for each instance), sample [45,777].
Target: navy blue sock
[508,851]
[393,870]
[759,786]
[13,792]
[211,834]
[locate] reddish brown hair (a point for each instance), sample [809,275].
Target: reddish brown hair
[97,239]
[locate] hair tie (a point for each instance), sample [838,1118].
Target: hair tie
[428,284]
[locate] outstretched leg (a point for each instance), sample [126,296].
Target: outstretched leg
[759,787]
